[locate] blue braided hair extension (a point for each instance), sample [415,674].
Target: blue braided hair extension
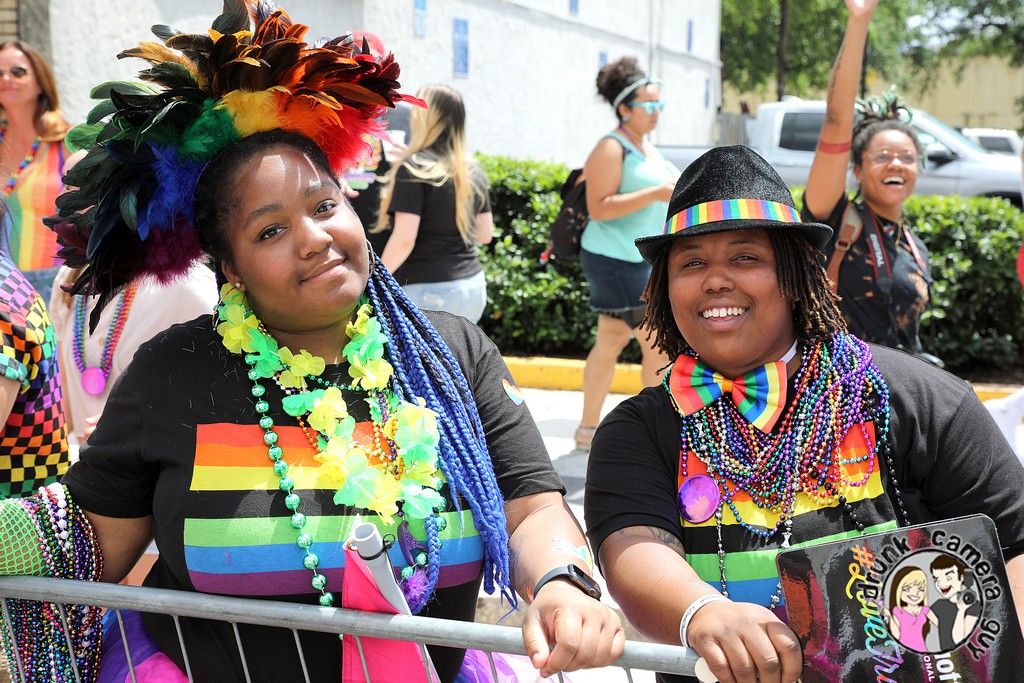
[425,367]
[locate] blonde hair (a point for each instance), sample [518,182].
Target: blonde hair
[912,577]
[437,154]
[48,118]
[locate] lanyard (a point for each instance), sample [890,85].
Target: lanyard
[880,258]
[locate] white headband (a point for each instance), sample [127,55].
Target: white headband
[645,80]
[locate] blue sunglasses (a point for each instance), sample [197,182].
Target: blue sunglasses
[649,107]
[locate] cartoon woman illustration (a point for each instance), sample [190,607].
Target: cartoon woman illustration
[910,618]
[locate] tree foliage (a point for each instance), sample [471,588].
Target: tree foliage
[969,28]
[907,43]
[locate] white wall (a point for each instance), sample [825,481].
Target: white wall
[530,90]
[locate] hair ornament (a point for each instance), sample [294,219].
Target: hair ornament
[131,212]
[629,89]
[887,105]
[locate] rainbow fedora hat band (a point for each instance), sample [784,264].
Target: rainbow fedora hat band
[731,210]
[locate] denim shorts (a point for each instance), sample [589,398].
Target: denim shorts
[615,285]
[466,297]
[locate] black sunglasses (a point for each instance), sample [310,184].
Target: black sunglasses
[16,72]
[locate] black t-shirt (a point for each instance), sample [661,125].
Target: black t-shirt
[367,203]
[945,611]
[950,460]
[891,319]
[440,254]
[179,440]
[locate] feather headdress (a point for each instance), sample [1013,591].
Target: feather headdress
[148,143]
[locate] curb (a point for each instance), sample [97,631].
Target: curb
[566,374]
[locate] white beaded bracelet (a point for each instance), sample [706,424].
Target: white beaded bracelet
[684,623]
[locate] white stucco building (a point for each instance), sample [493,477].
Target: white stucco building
[526,68]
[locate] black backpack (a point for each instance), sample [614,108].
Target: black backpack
[567,229]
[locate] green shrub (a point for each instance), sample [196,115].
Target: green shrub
[976,322]
[533,308]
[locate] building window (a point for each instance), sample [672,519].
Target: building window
[460,48]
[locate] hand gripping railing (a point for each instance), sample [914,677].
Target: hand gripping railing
[432,631]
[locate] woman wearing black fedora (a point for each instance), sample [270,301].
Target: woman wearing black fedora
[773,426]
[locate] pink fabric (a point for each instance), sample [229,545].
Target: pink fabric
[912,627]
[157,669]
[387,661]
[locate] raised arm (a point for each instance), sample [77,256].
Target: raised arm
[827,180]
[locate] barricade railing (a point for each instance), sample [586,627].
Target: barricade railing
[487,638]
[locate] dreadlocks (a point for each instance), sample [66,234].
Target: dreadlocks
[802,280]
[886,111]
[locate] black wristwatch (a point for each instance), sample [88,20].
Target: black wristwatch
[573,575]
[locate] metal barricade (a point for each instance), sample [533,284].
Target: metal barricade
[423,630]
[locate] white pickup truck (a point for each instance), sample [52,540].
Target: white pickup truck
[786,134]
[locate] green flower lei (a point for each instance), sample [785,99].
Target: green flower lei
[399,465]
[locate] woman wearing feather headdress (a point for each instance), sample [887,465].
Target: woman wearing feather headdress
[877,265]
[32,153]
[247,443]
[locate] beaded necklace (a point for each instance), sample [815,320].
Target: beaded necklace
[396,474]
[13,180]
[637,142]
[59,643]
[837,388]
[94,380]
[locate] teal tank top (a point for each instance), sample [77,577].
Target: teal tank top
[614,238]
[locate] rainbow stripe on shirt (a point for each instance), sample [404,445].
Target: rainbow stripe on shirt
[244,543]
[32,244]
[749,563]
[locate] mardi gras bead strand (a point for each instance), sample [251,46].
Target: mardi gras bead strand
[94,380]
[242,331]
[70,551]
[29,158]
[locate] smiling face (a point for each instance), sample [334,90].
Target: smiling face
[886,181]
[15,92]
[948,581]
[296,246]
[726,300]
[912,592]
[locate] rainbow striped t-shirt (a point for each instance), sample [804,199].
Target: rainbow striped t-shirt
[32,244]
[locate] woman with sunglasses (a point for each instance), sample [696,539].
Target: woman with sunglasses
[884,291]
[629,184]
[32,154]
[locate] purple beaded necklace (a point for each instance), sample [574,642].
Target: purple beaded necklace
[94,380]
[838,388]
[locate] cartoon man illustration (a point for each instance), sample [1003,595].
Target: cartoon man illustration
[958,609]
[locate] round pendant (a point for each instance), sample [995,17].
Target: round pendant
[698,498]
[93,381]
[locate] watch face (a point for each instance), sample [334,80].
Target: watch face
[588,585]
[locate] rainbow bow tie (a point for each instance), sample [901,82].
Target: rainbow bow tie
[759,395]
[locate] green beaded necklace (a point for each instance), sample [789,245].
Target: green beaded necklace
[397,474]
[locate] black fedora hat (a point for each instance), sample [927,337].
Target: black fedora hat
[730,188]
